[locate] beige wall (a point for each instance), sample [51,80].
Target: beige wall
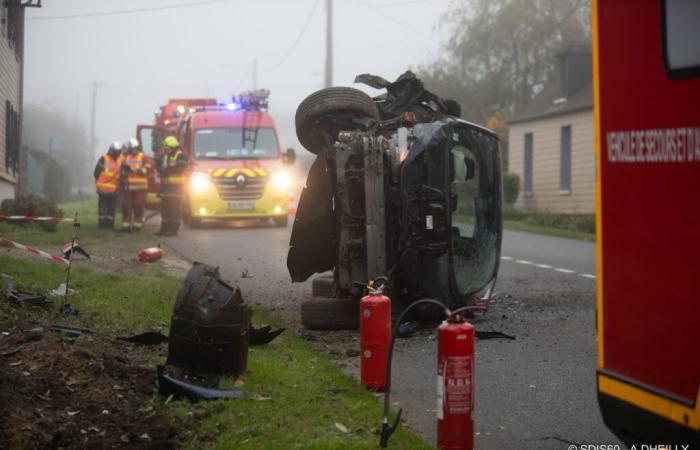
[9,90]
[546,135]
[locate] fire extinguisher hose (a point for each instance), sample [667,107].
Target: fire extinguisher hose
[387,430]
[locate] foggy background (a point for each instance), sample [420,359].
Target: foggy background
[176,48]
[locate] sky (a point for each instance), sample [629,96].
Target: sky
[173,49]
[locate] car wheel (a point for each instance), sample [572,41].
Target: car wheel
[330,314]
[323,286]
[342,104]
[281,221]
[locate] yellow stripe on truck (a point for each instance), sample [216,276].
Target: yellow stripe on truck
[261,172]
[231,173]
[248,172]
[219,172]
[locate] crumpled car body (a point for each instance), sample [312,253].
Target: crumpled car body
[414,195]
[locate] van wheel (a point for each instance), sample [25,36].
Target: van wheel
[281,221]
[339,106]
[330,313]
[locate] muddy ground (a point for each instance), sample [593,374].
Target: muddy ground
[87,392]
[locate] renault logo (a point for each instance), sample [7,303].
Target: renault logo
[240,179]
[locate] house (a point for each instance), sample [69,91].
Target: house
[551,140]
[11,55]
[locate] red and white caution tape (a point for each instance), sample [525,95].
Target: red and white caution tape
[36,251]
[36,219]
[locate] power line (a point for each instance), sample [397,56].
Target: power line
[297,40]
[382,5]
[126,11]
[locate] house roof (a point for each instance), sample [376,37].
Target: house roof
[548,104]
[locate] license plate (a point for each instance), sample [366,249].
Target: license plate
[241,206]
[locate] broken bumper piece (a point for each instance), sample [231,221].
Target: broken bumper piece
[169,385]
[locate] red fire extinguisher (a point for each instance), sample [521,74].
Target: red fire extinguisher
[375,334]
[455,384]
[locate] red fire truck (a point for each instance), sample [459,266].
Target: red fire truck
[647,118]
[237,163]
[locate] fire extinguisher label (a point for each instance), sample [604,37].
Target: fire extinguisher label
[457,394]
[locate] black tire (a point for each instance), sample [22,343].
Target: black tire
[330,314]
[281,222]
[323,286]
[340,102]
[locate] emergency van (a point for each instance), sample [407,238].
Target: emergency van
[238,168]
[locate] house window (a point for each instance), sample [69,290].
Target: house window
[527,170]
[565,160]
[12,139]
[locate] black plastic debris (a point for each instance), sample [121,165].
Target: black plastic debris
[263,335]
[67,310]
[493,335]
[147,338]
[169,385]
[76,249]
[68,332]
[209,330]
[405,330]
[16,297]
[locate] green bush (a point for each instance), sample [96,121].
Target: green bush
[32,205]
[511,187]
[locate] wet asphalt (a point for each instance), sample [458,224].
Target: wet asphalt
[534,392]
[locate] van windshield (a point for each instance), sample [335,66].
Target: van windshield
[230,143]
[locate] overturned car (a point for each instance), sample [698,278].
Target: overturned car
[401,187]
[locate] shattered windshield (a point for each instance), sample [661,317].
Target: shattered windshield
[228,143]
[475,225]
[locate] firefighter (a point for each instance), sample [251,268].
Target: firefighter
[173,175]
[107,183]
[134,175]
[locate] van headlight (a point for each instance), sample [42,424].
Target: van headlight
[200,182]
[281,180]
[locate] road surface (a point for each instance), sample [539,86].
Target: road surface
[535,392]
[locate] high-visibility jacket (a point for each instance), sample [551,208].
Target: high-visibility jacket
[174,168]
[108,180]
[137,176]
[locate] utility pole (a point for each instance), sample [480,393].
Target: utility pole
[255,74]
[329,43]
[93,110]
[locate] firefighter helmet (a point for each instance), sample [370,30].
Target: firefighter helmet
[171,142]
[116,146]
[133,143]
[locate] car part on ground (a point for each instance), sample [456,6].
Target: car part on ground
[263,335]
[169,385]
[147,338]
[18,298]
[209,327]
[330,313]
[323,286]
[414,193]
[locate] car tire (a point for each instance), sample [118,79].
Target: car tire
[343,102]
[330,314]
[323,286]
[281,222]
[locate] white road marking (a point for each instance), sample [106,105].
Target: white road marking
[548,267]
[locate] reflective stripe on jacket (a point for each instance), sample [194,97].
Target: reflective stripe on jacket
[174,171]
[137,177]
[108,180]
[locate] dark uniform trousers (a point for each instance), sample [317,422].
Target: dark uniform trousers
[106,208]
[171,209]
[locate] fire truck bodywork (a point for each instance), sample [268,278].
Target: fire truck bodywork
[647,87]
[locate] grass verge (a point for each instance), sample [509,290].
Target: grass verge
[522,225]
[295,396]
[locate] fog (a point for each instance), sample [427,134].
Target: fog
[178,48]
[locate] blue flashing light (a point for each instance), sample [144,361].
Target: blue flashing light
[232,106]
